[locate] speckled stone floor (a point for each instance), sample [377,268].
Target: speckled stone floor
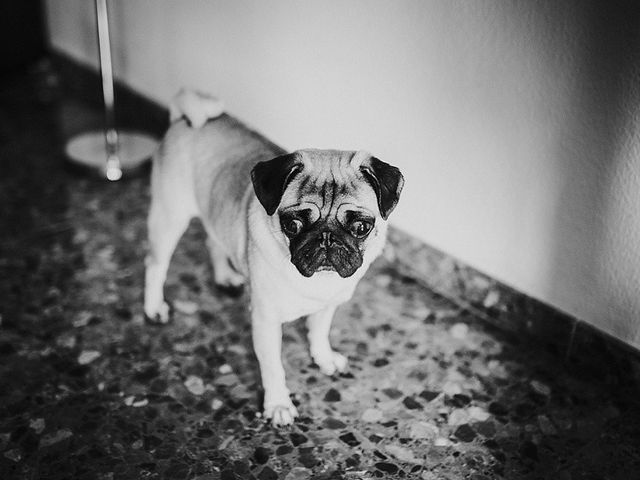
[89,391]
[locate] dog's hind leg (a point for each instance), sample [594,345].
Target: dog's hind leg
[165,229]
[173,205]
[225,276]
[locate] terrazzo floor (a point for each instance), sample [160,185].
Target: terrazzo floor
[88,390]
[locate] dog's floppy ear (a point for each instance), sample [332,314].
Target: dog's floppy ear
[270,179]
[387,182]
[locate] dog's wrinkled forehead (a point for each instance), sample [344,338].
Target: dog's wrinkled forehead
[328,176]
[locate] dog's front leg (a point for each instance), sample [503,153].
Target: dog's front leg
[325,357]
[267,343]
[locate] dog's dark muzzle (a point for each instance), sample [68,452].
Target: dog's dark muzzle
[325,251]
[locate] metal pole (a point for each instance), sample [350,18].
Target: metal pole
[111,152]
[113,167]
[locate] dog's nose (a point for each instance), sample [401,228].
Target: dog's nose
[326,238]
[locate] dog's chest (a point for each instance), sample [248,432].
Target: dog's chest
[317,296]
[293,296]
[326,287]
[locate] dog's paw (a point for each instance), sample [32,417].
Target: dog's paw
[225,277]
[331,362]
[161,315]
[280,413]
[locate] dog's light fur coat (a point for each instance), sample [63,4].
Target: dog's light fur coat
[205,172]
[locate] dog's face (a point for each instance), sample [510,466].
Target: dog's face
[327,206]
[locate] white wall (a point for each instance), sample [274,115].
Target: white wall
[516,124]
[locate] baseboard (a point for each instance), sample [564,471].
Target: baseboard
[578,344]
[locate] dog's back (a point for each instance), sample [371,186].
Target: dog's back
[195,168]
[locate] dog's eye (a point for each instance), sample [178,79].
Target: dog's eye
[292,226]
[360,229]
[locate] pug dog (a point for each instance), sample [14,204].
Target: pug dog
[299,228]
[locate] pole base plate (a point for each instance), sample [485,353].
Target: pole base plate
[89,150]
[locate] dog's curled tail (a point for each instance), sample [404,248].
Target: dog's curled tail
[196,107]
